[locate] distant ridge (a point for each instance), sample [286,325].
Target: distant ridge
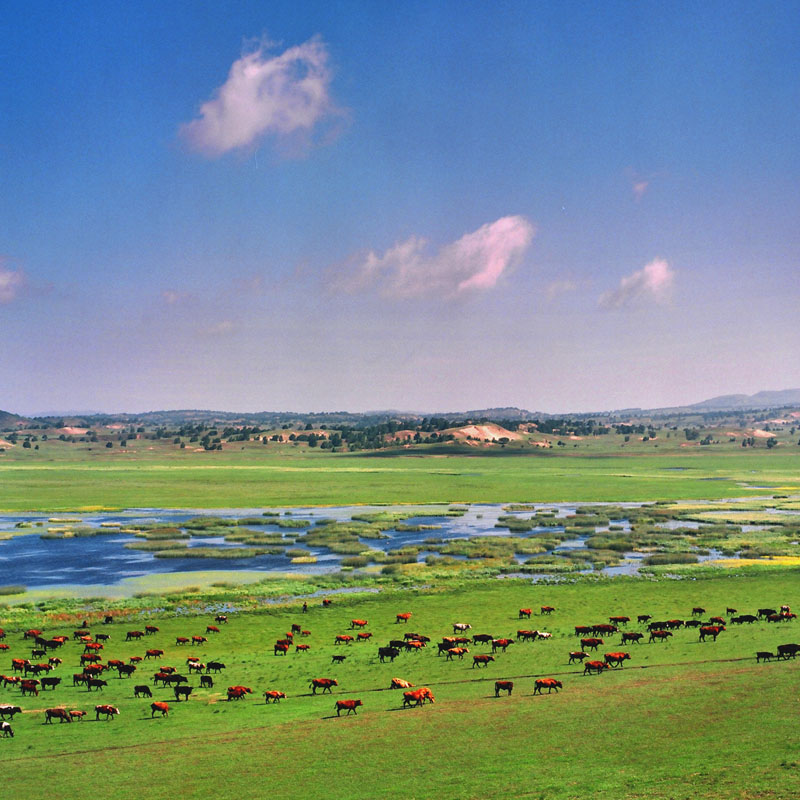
[767,399]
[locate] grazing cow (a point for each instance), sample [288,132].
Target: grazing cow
[456,651]
[199,640]
[305,633]
[479,638]
[786,651]
[742,618]
[133,635]
[274,696]
[206,682]
[149,630]
[77,715]
[360,637]
[338,659]
[525,612]
[765,612]
[159,706]
[109,711]
[135,659]
[711,630]
[547,610]
[399,683]
[167,670]
[591,644]
[95,683]
[301,648]
[181,640]
[716,621]
[542,635]
[155,653]
[326,684]
[61,714]
[619,620]
[327,602]
[212,629]
[762,655]
[547,683]
[730,610]
[417,697]
[583,630]
[142,691]
[347,705]
[698,611]
[31,634]
[181,692]
[461,627]
[196,666]
[503,686]
[659,636]
[283,649]
[594,666]
[343,639]
[18,664]
[296,628]
[29,687]
[214,666]
[415,645]
[9,711]
[616,659]
[50,683]
[6,730]
[404,617]
[238,692]
[577,655]
[644,618]
[631,637]
[501,644]
[221,618]
[126,669]
[388,652]
[358,623]
[481,661]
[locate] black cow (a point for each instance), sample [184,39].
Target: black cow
[182,691]
[388,652]
[139,691]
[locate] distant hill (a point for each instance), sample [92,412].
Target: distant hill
[9,421]
[774,399]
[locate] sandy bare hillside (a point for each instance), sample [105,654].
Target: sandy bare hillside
[482,432]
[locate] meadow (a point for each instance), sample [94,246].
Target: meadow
[680,719]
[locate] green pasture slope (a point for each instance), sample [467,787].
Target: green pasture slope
[55,480]
[681,720]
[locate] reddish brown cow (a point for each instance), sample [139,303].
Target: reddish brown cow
[503,686]
[399,683]
[404,617]
[358,623]
[77,715]
[591,644]
[711,630]
[363,637]
[181,640]
[547,609]
[456,651]
[343,639]
[61,714]
[109,711]
[300,648]
[347,705]
[616,659]
[199,640]
[525,612]
[631,637]
[594,666]
[501,644]
[326,684]
[274,696]
[659,636]
[417,697]
[619,620]
[481,661]
[150,630]
[283,649]
[212,629]
[238,692]
[547,683]
[29,686]
[154,653]
[577,655]
[159,706]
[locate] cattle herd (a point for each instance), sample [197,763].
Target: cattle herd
[33,675]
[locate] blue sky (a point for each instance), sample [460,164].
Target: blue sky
[424,206]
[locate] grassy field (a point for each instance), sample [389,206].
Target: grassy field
[681,719]
[81,479]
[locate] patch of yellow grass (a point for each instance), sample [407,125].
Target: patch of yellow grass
[777,561]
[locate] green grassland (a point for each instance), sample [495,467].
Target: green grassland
[68,477]
[681,719]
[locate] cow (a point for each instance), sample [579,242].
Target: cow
[4,647]
[206,682]
[338,659]
[525,612]
[501,644]
[414,645]
[326,684]
[95,683]
[716,621]
[591,644]
[659,636]
[61,714]
[547,683]
[167,670]
[90,658]
[401,643]
[238,692]
[784,610]
[762,655]
[18,664]
[6,730]
[175,678]
[181,692]
[181,640]
[693,623]
[620,620]
[481,660]
[765,612]
[296,628]
[135,659]
[388,652]
[742,618]
[281,649]
[399,683]
[127,670]
[221,618]
[159,706]
[547,610]
[644,618]
[50,683]
[461,627]
[199,640]
[542,635]
[711,630]
[527,636]
[786,651]
[404,617]
[114,663]
[327,602]
[456,651]
[503,686]
[108,619]
[301,648]
[583,630]
[130,635]
[481,638]
[142,691]
[347,705]
[77,715]
[343,639]
[358,623]
[9,711]
[360,637]
[594,666]
[416,636]
[32,633]
[604,628]
[631,637]
[577,655]
[78,678]
[109,711]
[305,633]
[417,697]
[212,629]
[196,666]
[214,666]
[29,687]
[273,696]
[9,680]
[698,611]
[154,653]
[616,659]
[149,630]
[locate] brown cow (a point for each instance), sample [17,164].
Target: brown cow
[525,612]
[348,705]
[326,684]
[404,617]
[547,683]
[481,660]
[358,623]
[594,666]
[659,636]
[591,644]
[61,714]
[456,651]
[399,683]
[503,686]
[501,644]
[616,659]
[109,711]
[711,630]
[343,639]
[274,696]
[159,706]
[417,697]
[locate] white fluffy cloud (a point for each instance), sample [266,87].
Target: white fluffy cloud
[476,261]
[12,281]
[654,282]
[264,94]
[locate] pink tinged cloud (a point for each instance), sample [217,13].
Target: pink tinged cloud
[12,282]
[653,283]
[639,188]
[475,262]
[264,94]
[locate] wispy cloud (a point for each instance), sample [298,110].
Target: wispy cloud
[474,262]
[221,328]
[172,297]
[264,95]
[639,188]
[652,283]
[559,287]
[12,282]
